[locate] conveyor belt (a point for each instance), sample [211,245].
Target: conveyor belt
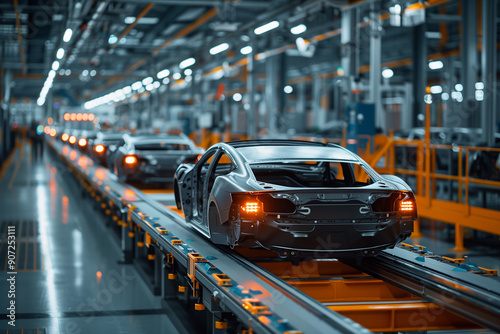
[473,296]
[225,281]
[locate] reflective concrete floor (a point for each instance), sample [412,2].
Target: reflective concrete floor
[68,277]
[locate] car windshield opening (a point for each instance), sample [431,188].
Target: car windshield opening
[312,174]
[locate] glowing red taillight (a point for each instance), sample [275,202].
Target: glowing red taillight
[130,160]
[406,206]
[251,207]
[99,148]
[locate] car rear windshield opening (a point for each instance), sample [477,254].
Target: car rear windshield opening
[312,174]
[162,147]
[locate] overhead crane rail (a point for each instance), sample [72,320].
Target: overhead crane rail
[236,288]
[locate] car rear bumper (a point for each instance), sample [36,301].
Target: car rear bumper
[345,239]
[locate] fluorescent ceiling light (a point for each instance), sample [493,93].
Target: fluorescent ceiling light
[127,90]
[147,81]
[136,85]
[387,73]
[435,65]
[297,30]
[156,84]
[176,76]
[186,63]
[60,53]
[219,48]
[246,50]
[55,65]
[142,20]
[237,97]
[266,27]
[288,89]
[479,85]
[163,74]
[188,72]
[436,89]
[52,74]
[67,35]
[112,39]
[149,87]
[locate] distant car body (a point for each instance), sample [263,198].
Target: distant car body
[294,197]
[103,144]
[153,158]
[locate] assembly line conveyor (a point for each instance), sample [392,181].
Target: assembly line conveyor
[248,294]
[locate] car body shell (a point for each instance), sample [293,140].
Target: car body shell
[317,222]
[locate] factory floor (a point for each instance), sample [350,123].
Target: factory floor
[68,276]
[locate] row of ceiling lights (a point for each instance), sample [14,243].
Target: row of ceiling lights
[149,84]
[49,81]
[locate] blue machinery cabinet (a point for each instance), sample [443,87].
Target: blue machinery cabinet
[360,123]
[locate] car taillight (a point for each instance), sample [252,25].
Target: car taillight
[99,148]
[82,142]
[72,139]
[406,206]
[130,160]
[64,137]
[251,207]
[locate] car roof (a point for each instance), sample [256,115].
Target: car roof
[277,149]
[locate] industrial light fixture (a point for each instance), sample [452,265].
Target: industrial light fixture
[479,85]
[166,81]
[93,73]
[435,65]
[219,48]
[188,72]
[387,73]
[52,74]
[163,74]
[459,87]
[127,90]
[246,50]
[176,76]
[67,35]
[237,97]
[395,15]
[445,96]
[266,27]
[149,87]
[297,30]
[479,95]
[288,89]
[156,84]
[85,73]
[142,20]
[186,63]
[147,81]
[112,39]
[136,85]
[60,53]
[436,89]
[67,72]
[55,65]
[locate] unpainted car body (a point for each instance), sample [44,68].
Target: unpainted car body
[153,158]
[294,197]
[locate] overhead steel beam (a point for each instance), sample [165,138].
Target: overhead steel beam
[132,25]
[208,3]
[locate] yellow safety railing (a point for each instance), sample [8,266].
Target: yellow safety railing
[459,211]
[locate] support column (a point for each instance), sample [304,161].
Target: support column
[489,70]
[281,112]
[271,93]
[251,106]
[348,48]
[316,101]
[470,64]
[419,72]
[375,67]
